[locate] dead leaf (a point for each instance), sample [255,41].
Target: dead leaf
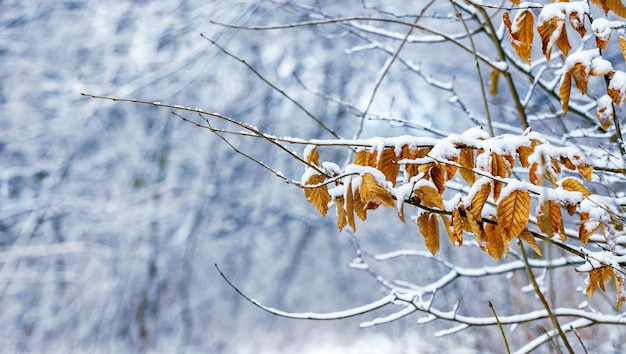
[466,159]
[565,91]
[388,164]
[319,196]
[573,184]
[521,33]
[513,212]
[371,191]
[429,228]
[528,237]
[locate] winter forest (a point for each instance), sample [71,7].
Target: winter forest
[279,176]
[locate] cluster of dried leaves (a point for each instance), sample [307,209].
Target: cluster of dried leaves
[497,207]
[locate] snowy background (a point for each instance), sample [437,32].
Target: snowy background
[112,215]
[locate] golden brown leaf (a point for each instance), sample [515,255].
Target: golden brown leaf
[342,216]
[493,240]
[622,45]
[359,205]
[522,153]
[587,227]
[513,212]
[429,228]
[371,191]
[547,33]
[476,226]
[350,206]
[516,2]
[577,20]
[450,168]
[466,159]
[319,196]
[565,161]
[454,237]
[565,91]
[550,219]
[459,223]
[617,6]
[597,278]
[478,200]
[361,158]
[602,4]
[314,157]
[528,237]
[571,208]
[436,175]
[573,184]
[521,33]
[387,164]
[498,166]
[535,178]
[605,113]
[429,197]
[585,170]
[580,73]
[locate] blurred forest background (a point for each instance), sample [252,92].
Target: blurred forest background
[112,215]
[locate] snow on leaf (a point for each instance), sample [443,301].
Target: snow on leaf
[429,196]
[311,155]
[588,226]
[601,31]
[371,191]
[573,184]
[521,33]
[553,32]
[604,112]
[513,211]
[617,88]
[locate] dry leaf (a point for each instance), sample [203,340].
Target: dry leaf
[553,32]
[565,91]
[478,200]
[604,112]
[597,278]
[359,205]
[550,219]
[349,196]
[437,176]
[313,157]
[577,20]
[371,191]
[319,196]
[342,219]
[513,212]
[534,177]
[587,227]
[528,237]
[614,5]
[493,240]
[429,197]
[585,170]
[573,184]
[387,164]
[522,153]
[429,228]
[466,159]
[521,33]
[454,237]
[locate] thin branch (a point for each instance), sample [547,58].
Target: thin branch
[543,300]
[378,304]
[255,72]
[506,343]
